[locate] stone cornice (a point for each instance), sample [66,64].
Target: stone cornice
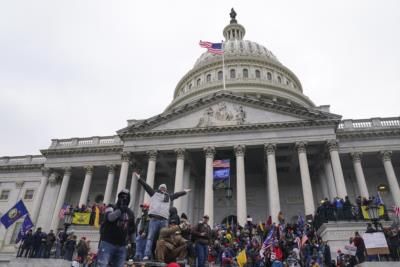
[82,150]
[368,133]
[306,114]
[230,128]
[22,167]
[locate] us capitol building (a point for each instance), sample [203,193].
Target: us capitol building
[286,152]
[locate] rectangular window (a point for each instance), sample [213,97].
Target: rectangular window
[5,194]
[29,194]
[15,232]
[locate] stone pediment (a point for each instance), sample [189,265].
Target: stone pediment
[227,110]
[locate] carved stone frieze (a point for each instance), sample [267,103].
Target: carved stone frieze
[222,114]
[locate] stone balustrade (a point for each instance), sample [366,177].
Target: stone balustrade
[86,141]
[22,160]
[373,123]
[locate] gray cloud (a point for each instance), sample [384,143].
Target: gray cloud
[82,68]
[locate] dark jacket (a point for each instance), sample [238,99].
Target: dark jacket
[118,231]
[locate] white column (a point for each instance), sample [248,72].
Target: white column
[241,205]
[180,164]
[187,183]
[109,184]
[324,185]
[208,188]
[272,181]
[151,172]
[61,196]
[133,190]
[337,169]
[362,185]
[330,179]
[305,179]
[391,176]
[39,195]
[123,175]
[86,186]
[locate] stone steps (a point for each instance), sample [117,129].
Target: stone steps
[23,262]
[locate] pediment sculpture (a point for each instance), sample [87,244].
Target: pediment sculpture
[221,115]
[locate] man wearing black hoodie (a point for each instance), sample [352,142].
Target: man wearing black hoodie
[116,231]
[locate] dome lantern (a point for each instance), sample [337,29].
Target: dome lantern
[234,31]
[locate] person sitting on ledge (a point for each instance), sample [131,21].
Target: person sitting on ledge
[171,246]
[158,212]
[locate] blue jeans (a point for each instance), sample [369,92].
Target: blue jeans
[140,247]
[202,254]
[155,226]
[111,254]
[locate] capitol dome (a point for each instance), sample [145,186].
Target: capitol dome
[249,69]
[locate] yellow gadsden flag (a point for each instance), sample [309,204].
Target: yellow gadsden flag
[97,218]
[364,209]
[242,258]
[81,218]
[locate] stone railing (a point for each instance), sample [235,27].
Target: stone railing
[86,142]
[373,123]
[22,160]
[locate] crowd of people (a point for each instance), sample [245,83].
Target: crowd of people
[40,244]
[160,234]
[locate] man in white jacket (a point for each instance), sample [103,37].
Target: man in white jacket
[160,202]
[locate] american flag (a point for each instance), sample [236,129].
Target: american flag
[63,210]
[213,48]
[396,211]
[268,241]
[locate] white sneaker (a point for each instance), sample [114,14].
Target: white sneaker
[145,258]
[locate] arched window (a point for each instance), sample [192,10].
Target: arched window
[258,74]
[233,74]
[198,82]
[245,73]
[279,79]
[220,75]
[269,76]
[208,78]
[189,86]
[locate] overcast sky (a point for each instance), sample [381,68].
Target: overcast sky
[82,68]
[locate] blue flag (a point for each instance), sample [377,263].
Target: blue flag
[26,225]
[16,212]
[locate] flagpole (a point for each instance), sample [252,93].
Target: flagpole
[223,65]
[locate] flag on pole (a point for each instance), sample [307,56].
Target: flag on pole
[213,48]
[13,214]
[268,241]
[26,225]
[63,210]
[242,258]
[396,211]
